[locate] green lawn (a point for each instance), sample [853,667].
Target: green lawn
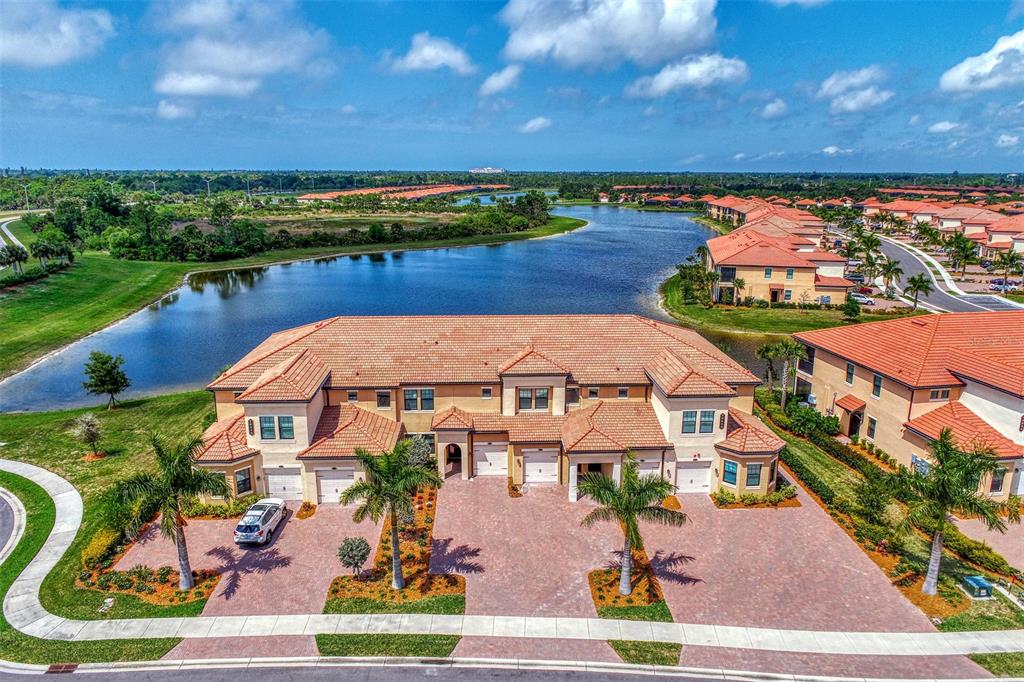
[422,646]
[21,232]
[730,318]
[97,290]
[647,653]
[1003,665]
[18,647]
[718,226]
[994,614]
[657,612]
[447,604]
[43,439]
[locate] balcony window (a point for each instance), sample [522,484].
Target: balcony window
[689,421]
[849,373]
[729,472]
[876,386]
[285,428]
[807,365]
[753,475]
[267,431]
[707,421]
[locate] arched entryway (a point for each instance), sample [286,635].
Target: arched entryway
[452,460]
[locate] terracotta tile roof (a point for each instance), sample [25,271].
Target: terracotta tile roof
[935,350]
[224,441]
[607,426]
[677,378]
[851,403]
[1012,224]
[297,378]
[522,428]
[531,362]
[969,430]
[747,435]
[751,247]
[452,418]
[839,282]
[391,351]
[343,428]
[970,214]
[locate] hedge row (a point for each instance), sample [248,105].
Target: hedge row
[31,274]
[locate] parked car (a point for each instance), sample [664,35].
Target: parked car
[259,521]
[862,299]
[854,277]
[1004,288]
[854,262]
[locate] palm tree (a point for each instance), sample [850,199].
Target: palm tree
[898,225]
[917,285]
[791,353]
[18,255]
[392,479]
[1008,261]
[961,250]
[769,352]
[176,480]
[950,486]
[891,273]
[738,285]
[869,244]
[636,498]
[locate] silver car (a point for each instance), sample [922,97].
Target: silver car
[259,521]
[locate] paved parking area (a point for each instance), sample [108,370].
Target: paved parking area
[776,568]
[290,575]
[1010,544]
[521,557]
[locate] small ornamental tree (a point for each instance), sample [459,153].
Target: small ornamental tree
[87,429]
[850,310]
[353,553]
[104,376]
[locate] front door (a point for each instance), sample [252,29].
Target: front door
[855,421]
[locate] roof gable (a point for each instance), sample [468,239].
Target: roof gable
[297,378]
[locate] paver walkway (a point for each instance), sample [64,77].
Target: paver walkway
[289,575]
[1010,544]
[23,611]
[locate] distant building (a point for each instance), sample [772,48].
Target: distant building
[487,170]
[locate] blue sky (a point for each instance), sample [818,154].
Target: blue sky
[760,85]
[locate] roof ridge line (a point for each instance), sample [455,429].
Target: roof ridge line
[316,326]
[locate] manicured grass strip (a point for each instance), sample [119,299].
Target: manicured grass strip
[993,614]
[723,317]
[658,611]
[1002,665]
[97,290]
[445,604]
[15,646]
[424,646]
[43,439]
[647,653]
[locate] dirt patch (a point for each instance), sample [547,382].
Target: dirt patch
[791,502]
[306,510]
[604,585]
[94,456]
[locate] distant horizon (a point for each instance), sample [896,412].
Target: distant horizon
[12,172]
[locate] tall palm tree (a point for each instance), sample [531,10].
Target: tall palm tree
[950,486]
[962,250]
[176,480]
[637,498]
[392,479]
[1008,261]
[917,285]
[791,353]
[869,244]
[891,273]
[738,285]
[769,352]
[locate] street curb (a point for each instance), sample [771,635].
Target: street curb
[19,524]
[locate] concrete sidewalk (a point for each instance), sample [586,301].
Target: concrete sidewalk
[24,612]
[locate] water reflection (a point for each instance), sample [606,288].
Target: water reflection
[614,265]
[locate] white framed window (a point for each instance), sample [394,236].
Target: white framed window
[623,392]
[767,273]
[383,400]
[788,295]
[849,374]
[486,392]
[533,399]
[730,471]
[939,394]
[418,400]
[876,386]
[592,392]
[243,481]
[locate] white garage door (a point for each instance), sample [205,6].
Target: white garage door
[650,466]
[285,483]
[540,465]
[490,458]
[330,483]
[693,477]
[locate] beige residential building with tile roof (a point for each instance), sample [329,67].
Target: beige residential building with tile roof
[537,399]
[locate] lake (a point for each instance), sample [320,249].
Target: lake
[613,265]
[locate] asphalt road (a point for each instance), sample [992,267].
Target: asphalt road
[6,521]
[369,674]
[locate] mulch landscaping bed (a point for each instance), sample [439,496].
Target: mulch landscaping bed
[604,586]
[415,543]
[158,586]
[791,502]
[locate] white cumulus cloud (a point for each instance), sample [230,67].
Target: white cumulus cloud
[1006,140]
[535,125]
[173,110]
[1000,68]
[40,34]
[944,127]
[695,72]
[854,91]
[500,81]
[230,47]
[429,53]
[915,119]
[833,150]
[775,109]
[587,33]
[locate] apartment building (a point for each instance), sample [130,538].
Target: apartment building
[899,383]
[534,399]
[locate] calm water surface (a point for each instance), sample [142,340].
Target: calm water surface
[614,265]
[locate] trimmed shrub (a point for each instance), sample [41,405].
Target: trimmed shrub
[100,548]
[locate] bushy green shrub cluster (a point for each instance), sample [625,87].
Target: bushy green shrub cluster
[227,509]
[32,274]
[723,497]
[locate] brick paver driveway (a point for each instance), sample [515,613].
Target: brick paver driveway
[521,557]
[787,568]
[290,575]
[1010,544]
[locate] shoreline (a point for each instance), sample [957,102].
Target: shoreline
[508,238]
